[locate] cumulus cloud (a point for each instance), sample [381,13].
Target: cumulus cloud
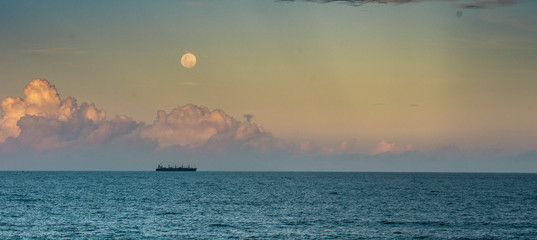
[42,100]
[43,121]
[384,146]
[193,126]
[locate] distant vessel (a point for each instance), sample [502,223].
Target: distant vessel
[176,168]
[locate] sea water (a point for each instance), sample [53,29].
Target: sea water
[267,205]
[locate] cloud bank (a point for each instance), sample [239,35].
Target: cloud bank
[43,121]
[42,131]
[487,4]
[476,4]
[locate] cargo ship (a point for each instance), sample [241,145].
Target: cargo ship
[176,168]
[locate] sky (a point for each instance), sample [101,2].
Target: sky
[332,85]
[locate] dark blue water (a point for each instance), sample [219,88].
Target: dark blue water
[205,205]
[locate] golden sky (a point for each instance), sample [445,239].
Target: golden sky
[421,74]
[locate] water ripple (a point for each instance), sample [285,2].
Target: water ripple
[204,205]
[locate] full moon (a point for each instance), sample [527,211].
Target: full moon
[188,60]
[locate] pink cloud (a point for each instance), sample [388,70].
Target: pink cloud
[384,146]
[193,126]
[41,100]
[43,121]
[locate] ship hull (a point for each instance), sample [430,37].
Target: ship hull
[176,169]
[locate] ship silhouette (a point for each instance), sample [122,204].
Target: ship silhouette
[176,168]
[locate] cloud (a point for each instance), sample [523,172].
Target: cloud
[345,147]
[193,126]
[465,4]
[248,117]
[42,100]
[384,146]
[41,128]
[487,4]
[42,121]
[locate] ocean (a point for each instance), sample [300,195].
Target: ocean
[267,205]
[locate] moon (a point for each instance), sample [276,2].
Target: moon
[188,60]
